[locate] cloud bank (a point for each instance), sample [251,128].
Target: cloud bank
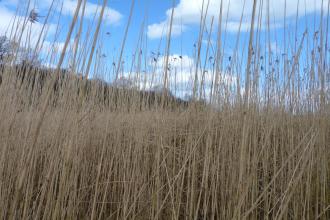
[188,12]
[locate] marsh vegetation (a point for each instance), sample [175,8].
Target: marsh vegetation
[74,146]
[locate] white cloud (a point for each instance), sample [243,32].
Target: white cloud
[52,47]
[181,76]
[6,17]
[188,12]
[111,16]
[161,29]
[31,30]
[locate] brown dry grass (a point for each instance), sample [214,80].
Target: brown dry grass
[66,153]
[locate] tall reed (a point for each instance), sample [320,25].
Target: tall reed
[255,146]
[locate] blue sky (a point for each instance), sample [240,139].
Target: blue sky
[154,15]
